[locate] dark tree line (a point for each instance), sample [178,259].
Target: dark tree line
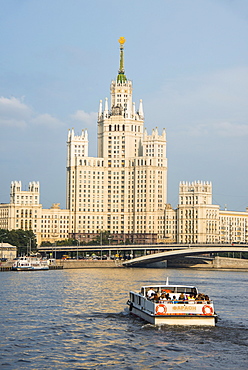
[101,238]
[24,240]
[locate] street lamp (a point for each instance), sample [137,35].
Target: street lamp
[29,243]
[109,239]
[101,242]
[55,254]
[78,244]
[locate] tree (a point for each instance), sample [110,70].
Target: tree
[24,240]
[102,238]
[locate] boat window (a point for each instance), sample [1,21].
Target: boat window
[191,290]
[181,290]
[132,297]
[186,290]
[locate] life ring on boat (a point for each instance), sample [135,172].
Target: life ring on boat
[161,309]
[207,310]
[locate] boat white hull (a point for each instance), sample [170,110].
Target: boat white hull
[175,320]
[22,268]
[30,264]
[172,305]
[29,268]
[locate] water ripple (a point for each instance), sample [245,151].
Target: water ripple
[76,319]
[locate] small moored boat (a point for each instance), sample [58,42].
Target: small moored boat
[172,305]
[30,264]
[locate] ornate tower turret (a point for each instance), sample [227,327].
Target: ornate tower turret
[124,189]
[119,117]
[121,75]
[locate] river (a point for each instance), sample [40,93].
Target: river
[77,319]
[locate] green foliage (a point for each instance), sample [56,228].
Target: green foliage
[66,242]
[102,238]
[19,238]
[46,244]
[59,242]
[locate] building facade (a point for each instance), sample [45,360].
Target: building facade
[197,221]
[197,217]
[123,191]
[24,209]
[8,251]
[25,212]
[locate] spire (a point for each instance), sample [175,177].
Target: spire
[106,108]
[121,73]
[72,133]
[141,113]
[134,109]
[100,109]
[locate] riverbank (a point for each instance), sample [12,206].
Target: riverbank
[80,264]
[217,263]
[73,264]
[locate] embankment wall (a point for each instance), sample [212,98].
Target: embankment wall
[80,264]
[215,263]
[230,263]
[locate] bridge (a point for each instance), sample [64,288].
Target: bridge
[110,247]
[148,253]
[191,250]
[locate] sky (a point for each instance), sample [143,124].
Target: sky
[188,60]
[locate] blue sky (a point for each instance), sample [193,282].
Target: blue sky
[188,60]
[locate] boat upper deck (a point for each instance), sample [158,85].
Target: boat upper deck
[174,289]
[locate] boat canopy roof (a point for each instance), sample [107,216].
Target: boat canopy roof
[167,286]
[164,288]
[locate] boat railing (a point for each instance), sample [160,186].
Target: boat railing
[183,301]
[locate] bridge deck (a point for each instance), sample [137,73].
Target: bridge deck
[157,257]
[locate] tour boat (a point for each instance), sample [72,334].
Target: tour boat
[30,264]
[172,305]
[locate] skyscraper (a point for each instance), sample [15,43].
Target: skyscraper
[124,189]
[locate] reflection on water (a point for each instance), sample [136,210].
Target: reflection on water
[76,319]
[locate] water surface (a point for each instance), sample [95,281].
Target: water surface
[77,319]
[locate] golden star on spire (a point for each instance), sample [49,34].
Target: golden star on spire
[122,40]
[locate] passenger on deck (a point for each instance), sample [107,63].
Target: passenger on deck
[162,297]
[181,297]
[174,299]
[199,297]
[191,298]
[156,297]
[150,293]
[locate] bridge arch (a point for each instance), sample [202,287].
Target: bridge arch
[161,256]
